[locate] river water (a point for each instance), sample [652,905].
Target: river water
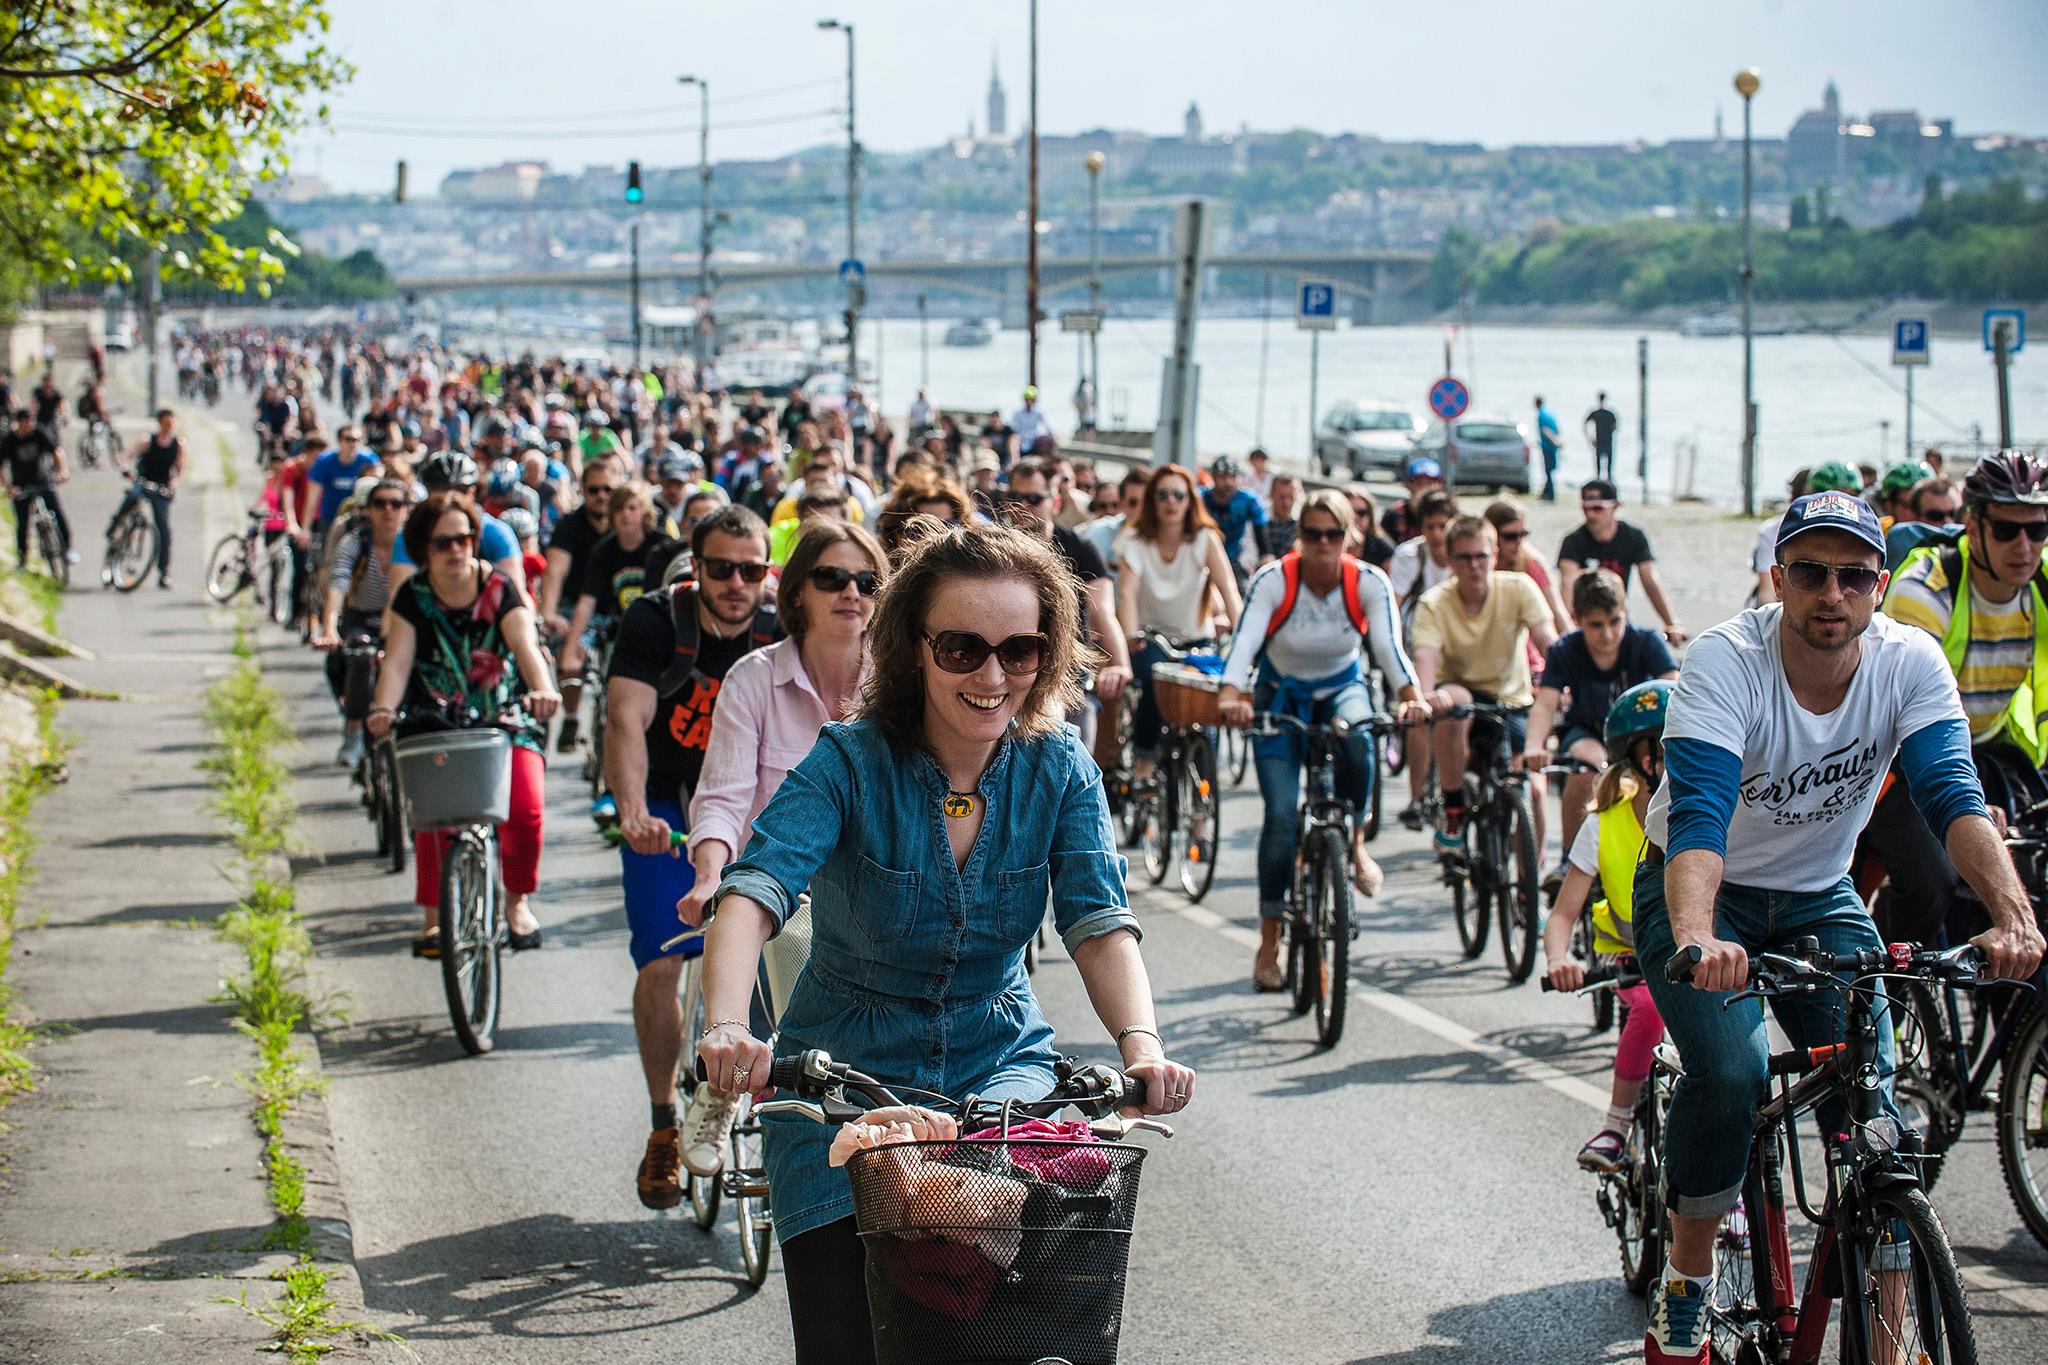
[1818,397]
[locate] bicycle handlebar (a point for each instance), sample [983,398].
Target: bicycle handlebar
[1804,967]
[1611,976]
[1094,1090]
[1267,723]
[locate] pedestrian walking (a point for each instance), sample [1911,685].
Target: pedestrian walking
[1600,427]
[1548,438]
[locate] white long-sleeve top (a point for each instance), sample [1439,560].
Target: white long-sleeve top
[1318,638]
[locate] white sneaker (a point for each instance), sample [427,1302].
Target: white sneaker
[72,556]
[706,1124]
[351,751]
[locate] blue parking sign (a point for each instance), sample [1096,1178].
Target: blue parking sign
[1909,341]
[1316,306]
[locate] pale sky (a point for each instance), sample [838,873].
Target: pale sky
[1491,71]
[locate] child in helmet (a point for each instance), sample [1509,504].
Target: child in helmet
[1608,847]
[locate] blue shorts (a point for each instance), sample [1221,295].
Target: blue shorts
[654,883]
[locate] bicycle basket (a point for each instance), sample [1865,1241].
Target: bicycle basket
[452,778]
[1187,697]
[996,1251]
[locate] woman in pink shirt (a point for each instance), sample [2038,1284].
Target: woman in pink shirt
[775,700]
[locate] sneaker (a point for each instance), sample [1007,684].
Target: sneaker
[604,812]
[1449,844]
[1678,1323]
[351,751]
[706,1123]
[1603,1152]
[71,556]
[1411,815]
[661,1170]
[164,583]
[565,741]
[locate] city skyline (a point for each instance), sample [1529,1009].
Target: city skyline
[408,102]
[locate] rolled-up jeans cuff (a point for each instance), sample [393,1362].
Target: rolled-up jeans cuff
[1705,1205]
[1272,909]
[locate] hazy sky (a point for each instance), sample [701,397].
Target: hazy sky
[1493,71]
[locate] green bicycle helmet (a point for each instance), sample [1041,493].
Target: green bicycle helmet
[1635,713]
[1834,477]
[1901,477]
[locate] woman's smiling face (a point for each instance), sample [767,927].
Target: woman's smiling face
[977,707]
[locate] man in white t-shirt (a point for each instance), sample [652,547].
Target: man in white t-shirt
[1776,744]
[1029,426]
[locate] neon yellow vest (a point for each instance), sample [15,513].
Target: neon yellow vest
[1621,844]
[2024,714]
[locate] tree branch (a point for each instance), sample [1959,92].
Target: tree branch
[129,65]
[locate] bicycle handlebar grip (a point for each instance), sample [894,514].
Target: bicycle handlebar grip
[787,1073]
[1678,970]
[1134,1090]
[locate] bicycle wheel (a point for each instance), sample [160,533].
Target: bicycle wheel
[743,1161]
[397,846]
[470,939]
[1237,755]
[1468,909]
[131,551]
[593,758]
[227,569]
[1332,884]
[1515,887]
[1157,821]
[1638,1220]
[1375,748]
[2023,1123]
[704,1190]
[1304,958]
[1734,1328]
[1200,815]
[52,548]
[1914,1313]
[1924,1087]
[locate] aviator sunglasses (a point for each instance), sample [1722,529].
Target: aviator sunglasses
[1857,580]
[963,651]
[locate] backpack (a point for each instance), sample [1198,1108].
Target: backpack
[682,613]
[1290,577]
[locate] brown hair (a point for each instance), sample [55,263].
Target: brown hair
[1598,590]
[1937,484]
[1502,513]
[918,484]
[1435,503]
[638,493]
[936,555]
[1147,525]
[1468,528]
[421,521]
[741,523]
[818,537]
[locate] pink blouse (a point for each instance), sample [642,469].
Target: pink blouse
[766,719]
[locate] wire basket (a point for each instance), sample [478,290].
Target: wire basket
[1188,697]
[996,1251]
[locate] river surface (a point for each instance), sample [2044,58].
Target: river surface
[1818,397]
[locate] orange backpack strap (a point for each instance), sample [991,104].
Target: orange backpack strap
[1353,605]
[1290,578]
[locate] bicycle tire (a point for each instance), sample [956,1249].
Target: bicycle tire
[1332,888]
[1375,747]
[1155,835]
[1468,910]
[398,846]
[1199,807]
[1941,1312]
[1514,895]
[1734,1323]
[227,569]
[1642,1256]
[2022,1118]
[752,1212]
[1924,1086]
[130,551]
[1237,753]
[705,1191]
[1304,962]
[52,548]
[471,942]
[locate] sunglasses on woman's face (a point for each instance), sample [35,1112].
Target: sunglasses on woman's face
[963,651]
[2005,532]
[387,504]
[1026,499]
[1323,535]
[1857,580]
[826,578]
[720,570]
[1169,495]
[1513,537]
[443,544]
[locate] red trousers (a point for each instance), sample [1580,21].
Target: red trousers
[518,837]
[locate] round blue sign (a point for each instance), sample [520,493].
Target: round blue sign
[1448,398]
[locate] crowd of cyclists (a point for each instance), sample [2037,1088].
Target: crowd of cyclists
[828,676]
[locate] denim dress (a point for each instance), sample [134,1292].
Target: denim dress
[916,974]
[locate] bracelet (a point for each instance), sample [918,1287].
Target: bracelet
[1139,1028]
[740,1024]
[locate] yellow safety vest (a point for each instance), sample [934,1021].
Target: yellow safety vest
[1621,845]
[2028,708]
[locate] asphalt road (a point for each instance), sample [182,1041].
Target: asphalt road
[1409,1196]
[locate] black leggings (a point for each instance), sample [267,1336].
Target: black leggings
[825,1273]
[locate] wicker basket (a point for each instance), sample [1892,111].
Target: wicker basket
[1188,698]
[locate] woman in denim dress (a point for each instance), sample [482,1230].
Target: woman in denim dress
[929,831]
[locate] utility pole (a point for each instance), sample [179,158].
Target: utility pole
[1174,439]
[1909,412]
[634,236]
[703,214]
[1643,414]
[853,291]
[924,344]
[1095,163]
[1747,83]
[2001,359]
[1031,223]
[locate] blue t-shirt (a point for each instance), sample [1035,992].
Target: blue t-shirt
[1569,667]
[498,543]
[337,480]
[1242,511]
[1546,431]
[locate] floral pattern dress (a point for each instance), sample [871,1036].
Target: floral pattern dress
[461,661]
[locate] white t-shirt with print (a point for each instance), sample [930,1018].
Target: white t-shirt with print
[1808,782]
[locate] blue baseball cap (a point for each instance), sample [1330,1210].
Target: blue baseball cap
[1422,467]
[1831,511]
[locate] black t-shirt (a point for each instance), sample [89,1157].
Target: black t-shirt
[30,459]
[1604,423]
[1377,551]
[1398,524]
[682,722]
[49,403]
[575,537]
[1618,556]
[158,460]
[1569,667]
[616,576]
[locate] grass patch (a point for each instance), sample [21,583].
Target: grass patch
[303,1317]
[24,781]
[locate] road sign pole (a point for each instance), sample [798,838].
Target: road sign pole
[2001,358]
[1909,412]
[1643,414]
[1315,374]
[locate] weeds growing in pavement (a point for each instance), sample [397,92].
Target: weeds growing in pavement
[23,781]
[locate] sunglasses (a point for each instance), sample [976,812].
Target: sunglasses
[720,570]
[1328,536]
[1512,537]
[1170,495]
[1027,499]
[443,544]
[1597,505]
[2005,532]
[963,651]
[1857,580]
[826,578]
[388,504]
[1938,513]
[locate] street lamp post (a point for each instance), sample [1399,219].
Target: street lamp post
[703,212]
[1095,162]
[1031,223]
[1747,83]
[853,291]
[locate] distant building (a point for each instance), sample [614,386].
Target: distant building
[1827,146]
[998,104]
[510,180]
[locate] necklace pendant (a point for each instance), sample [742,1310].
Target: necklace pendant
[958,806]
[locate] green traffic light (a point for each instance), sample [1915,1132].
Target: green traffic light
[633,191]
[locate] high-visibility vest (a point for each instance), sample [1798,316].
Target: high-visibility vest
[1621,845]
[2028,708]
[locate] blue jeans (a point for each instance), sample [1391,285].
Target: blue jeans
[1706,1138]
[1279,760]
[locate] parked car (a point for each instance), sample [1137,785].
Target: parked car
[1366,436]
[1487,448]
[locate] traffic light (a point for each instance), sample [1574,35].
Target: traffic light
[634,194]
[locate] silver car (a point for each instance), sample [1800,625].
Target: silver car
[1487,448]
[1365,436]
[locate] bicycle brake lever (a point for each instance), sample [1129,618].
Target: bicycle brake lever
[1752,993]
[1115,1127]
[801,1108]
